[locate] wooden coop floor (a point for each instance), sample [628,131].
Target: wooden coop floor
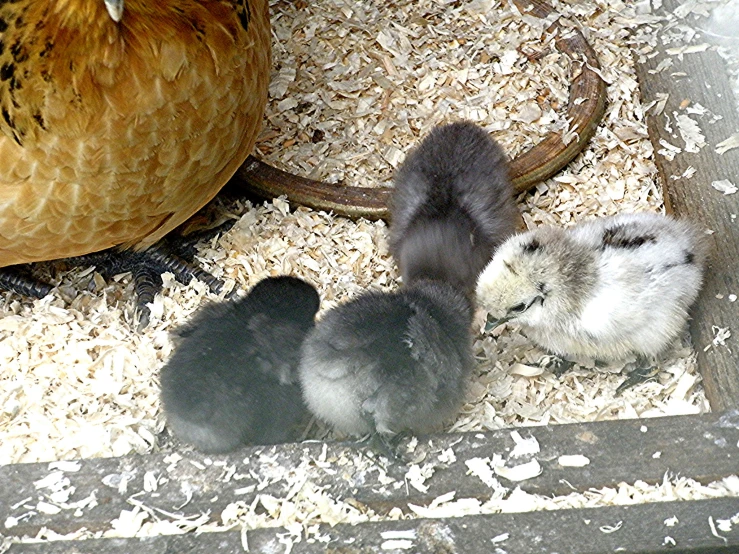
[101,476]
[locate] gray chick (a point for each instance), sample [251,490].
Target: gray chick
[232,379]
[390,363]
[608,289]
[451,207]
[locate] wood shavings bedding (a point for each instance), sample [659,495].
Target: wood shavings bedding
[354,87]
[350,116]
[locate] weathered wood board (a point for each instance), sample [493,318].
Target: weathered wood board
[676,527]
[704,447]
[693,79]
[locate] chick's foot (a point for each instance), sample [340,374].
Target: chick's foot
[643,372]
[385,446]
[558,366]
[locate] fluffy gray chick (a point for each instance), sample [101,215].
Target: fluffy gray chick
[232,379]
[451,207]
[606,289]
[390,363]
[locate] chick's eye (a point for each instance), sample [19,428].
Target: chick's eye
[517,308]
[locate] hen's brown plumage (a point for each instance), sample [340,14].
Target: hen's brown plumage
[113,133]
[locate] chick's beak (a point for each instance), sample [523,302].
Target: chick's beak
[115,9]
[513,311]
[493,322]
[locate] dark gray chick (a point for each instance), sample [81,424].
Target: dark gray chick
[232,378]
[390,363]
[451,207]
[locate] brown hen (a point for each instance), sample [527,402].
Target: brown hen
[119,121]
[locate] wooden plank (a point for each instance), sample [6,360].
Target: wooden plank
[677,527]
[702,447]
[700,78]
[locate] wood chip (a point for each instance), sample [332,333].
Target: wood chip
[724,186]
[521,472]
[573,460]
